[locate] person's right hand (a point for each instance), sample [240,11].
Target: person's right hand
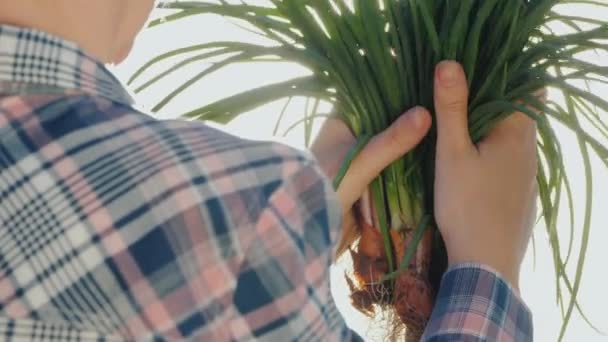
[485,194]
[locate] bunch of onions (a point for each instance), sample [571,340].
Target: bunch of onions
[374,59]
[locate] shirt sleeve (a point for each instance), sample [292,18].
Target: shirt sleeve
[476,304]
[283,289]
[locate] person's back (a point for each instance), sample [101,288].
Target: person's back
[116,224]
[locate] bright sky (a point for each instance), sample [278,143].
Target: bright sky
[538,283]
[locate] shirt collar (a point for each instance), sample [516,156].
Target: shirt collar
[33,61]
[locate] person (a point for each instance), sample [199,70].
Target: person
[118,226]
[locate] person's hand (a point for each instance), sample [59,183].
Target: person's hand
[335,141]
[485,195]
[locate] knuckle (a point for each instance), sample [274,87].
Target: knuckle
[395,137]
[453,105]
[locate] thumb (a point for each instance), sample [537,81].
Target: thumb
[451,107]
[401,137]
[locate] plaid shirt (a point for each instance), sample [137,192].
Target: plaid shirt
[117,226]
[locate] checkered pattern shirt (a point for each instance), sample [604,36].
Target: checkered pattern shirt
[116,226]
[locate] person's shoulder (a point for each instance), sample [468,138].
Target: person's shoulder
[211,142]
[201,139]
[209,150]
[223,167]
[245,183]
[233,165]
[248,164]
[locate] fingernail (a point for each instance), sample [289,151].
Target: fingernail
[448,73]
[416,117]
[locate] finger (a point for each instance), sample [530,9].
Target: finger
[401,137]
[350,233]
[518,127]
[542,94]
[512,141]
[333,131]
[451,107]
[331,145]
[515,134]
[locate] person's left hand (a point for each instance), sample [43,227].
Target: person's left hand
[335,141]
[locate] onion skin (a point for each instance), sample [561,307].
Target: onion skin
[413,296]
[370,266]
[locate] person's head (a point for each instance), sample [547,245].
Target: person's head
[104,28]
